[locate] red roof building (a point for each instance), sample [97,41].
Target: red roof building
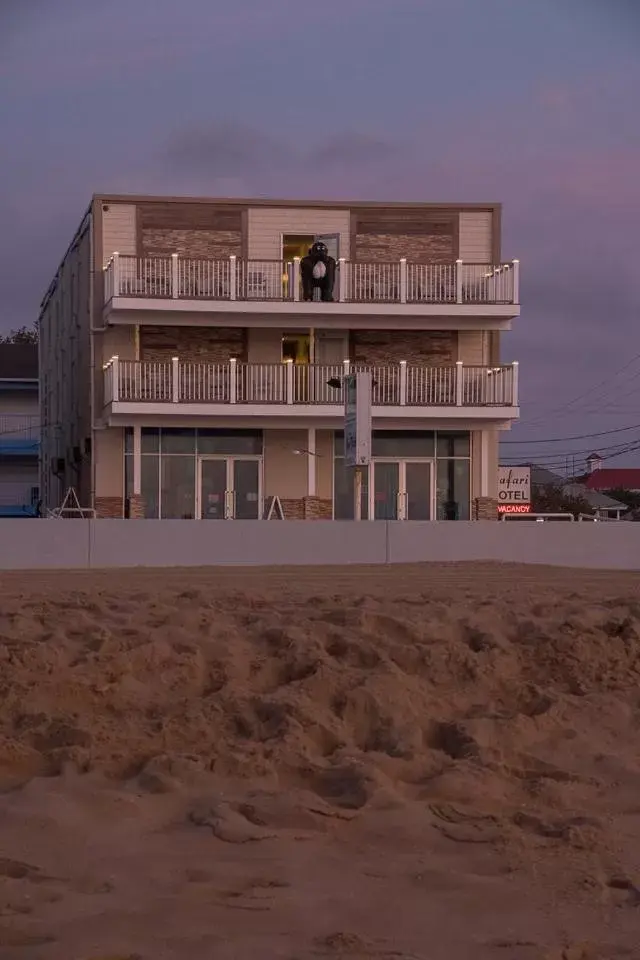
[614,478]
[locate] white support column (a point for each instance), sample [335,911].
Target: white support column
[484,464]
[175,379]
[403,383]
[116,274]
[115,381]
[233,380]
[458,281]
[233,277]
[403,280]
[296,279]
[515,373]
[175,276]
[289,380]
[137,461]
[342,279]
[311,462]
[516,281]
[459,390]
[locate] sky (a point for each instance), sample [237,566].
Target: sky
[533,103]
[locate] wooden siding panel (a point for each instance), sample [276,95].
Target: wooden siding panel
[266,225]
[118,230]
[473,347]
[476,236]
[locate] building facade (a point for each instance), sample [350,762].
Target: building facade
[19,430]
[183,375]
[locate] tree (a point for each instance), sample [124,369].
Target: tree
[555,499]
[21,335]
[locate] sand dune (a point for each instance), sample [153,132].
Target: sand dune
[428,763]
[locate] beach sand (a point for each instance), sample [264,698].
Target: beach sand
[434,762]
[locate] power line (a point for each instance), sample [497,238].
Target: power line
[587,393]
[580,436]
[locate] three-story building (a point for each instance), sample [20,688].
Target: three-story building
[183,374]
[19,430]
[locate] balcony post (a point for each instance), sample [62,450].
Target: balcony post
[459,391]
[403,383]
[115,261]
[175,276]
[342,280]
[115,378]
[311,462]
[403,280]
[458,281]
[175,379]
[289,381]
[233,280]
[516,281]
[295,279]
[515,370]
[233,380]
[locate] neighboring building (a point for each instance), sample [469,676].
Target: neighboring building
[182,375]
[603,506]
[19,430]
[614,478]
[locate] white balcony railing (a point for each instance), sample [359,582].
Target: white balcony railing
[19,426]
[401,385]
[235,279]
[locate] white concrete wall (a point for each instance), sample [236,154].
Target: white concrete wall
[61,544]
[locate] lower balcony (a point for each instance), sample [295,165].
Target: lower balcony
[19,498]
[288,390]
[19,434]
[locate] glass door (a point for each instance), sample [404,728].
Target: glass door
[417,490]
[245,483]
[212,487]
[386,489]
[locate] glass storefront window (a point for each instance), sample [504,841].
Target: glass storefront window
[453,489]
[343,494]
[178,441]
[178,487]
[230,443]
[403,444]
[454,444]
[150,483]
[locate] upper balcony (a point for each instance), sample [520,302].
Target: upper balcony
[270,292]
[19,434]
[280,391]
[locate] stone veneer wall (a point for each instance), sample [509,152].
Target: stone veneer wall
[207,344]
[436,347]
[485,508]
[201,231]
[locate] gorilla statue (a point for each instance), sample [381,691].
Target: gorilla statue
[318,269]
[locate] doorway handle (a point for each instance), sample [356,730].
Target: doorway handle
[229,504]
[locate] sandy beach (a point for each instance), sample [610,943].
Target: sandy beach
[421,763]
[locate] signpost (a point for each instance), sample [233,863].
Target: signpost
[514,489]
[357,430]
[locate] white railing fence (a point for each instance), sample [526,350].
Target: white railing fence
[176,277]
[401,384]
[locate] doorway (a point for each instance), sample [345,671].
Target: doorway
[402,490]
[229,488]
